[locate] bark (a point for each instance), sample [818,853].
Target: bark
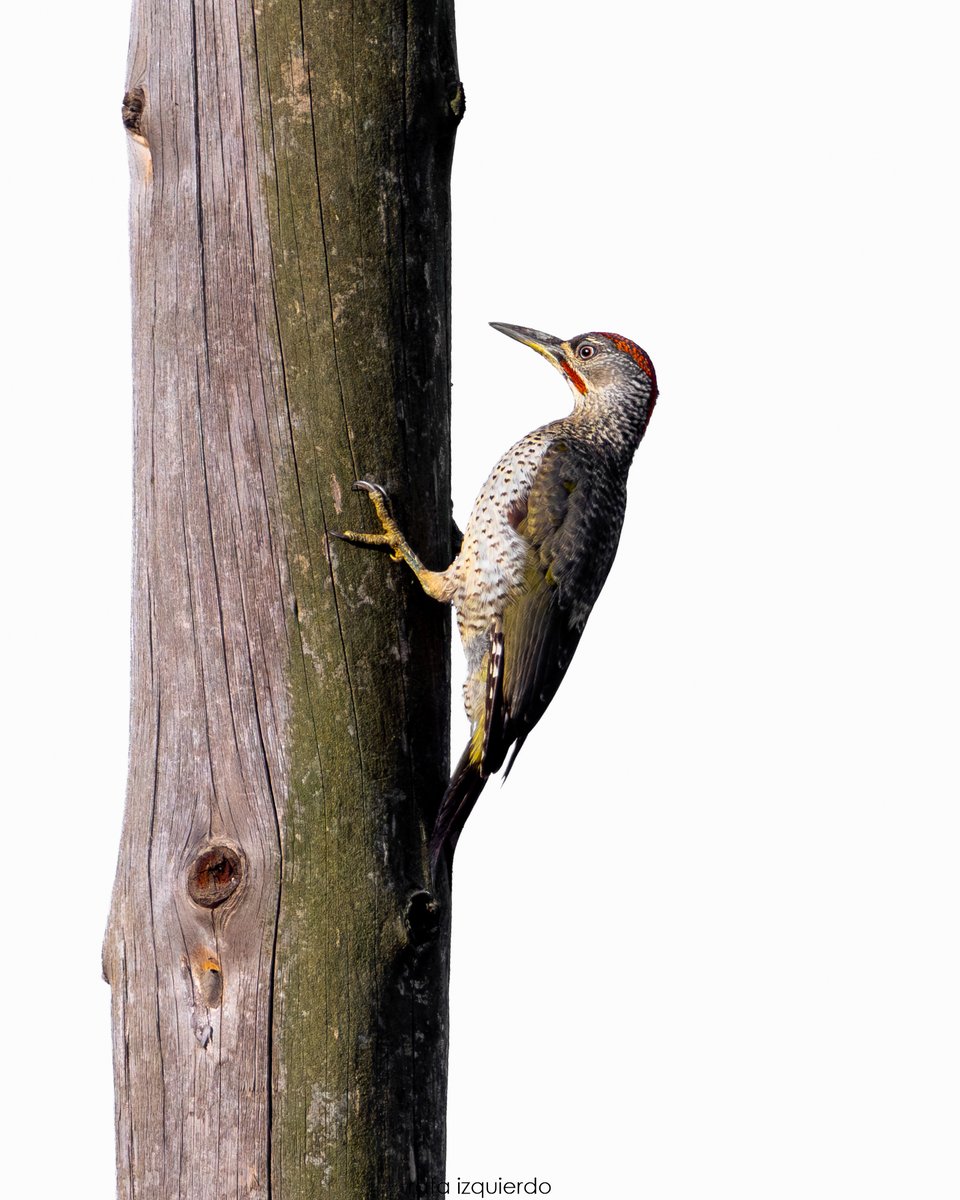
[279,975]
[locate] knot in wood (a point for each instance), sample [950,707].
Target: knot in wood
[458,102]
[214,876]
[133,105]
[422,918]
[210,983]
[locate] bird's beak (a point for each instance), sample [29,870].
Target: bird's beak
[550,347]
[544,343]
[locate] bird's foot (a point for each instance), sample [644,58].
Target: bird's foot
[391,538]
[434,583]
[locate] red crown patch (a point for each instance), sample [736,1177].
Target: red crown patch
[631,348]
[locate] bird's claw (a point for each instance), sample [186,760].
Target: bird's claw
[378,498]
[390,537]
[348,535]
[361,539]
[374,491]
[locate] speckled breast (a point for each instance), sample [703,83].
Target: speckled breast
[492,558]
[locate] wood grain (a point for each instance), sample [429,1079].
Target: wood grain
[279,997]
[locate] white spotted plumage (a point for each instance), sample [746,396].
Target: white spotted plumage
[535,553]
[492,558]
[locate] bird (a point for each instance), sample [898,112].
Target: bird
[536,550]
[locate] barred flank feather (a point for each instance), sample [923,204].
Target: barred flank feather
[493,698]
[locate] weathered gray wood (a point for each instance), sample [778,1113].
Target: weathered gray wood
[279,986]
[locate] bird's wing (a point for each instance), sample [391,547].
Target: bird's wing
[571,524]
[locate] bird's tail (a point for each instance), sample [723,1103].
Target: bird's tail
[461,795]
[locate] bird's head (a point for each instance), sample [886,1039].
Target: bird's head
[604,370]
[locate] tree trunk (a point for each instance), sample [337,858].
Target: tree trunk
[279,975]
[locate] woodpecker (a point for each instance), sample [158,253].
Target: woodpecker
[536,551]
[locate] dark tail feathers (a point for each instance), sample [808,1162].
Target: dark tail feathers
[464,787]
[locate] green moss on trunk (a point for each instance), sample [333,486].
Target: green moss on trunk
[356,118]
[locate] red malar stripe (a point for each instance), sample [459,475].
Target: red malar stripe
[573,377]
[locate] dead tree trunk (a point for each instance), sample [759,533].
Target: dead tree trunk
[279,985]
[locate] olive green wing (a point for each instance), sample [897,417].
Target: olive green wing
[571,523]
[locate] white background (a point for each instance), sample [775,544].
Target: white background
[706,937]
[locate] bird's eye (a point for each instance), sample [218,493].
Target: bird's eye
[586,351]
